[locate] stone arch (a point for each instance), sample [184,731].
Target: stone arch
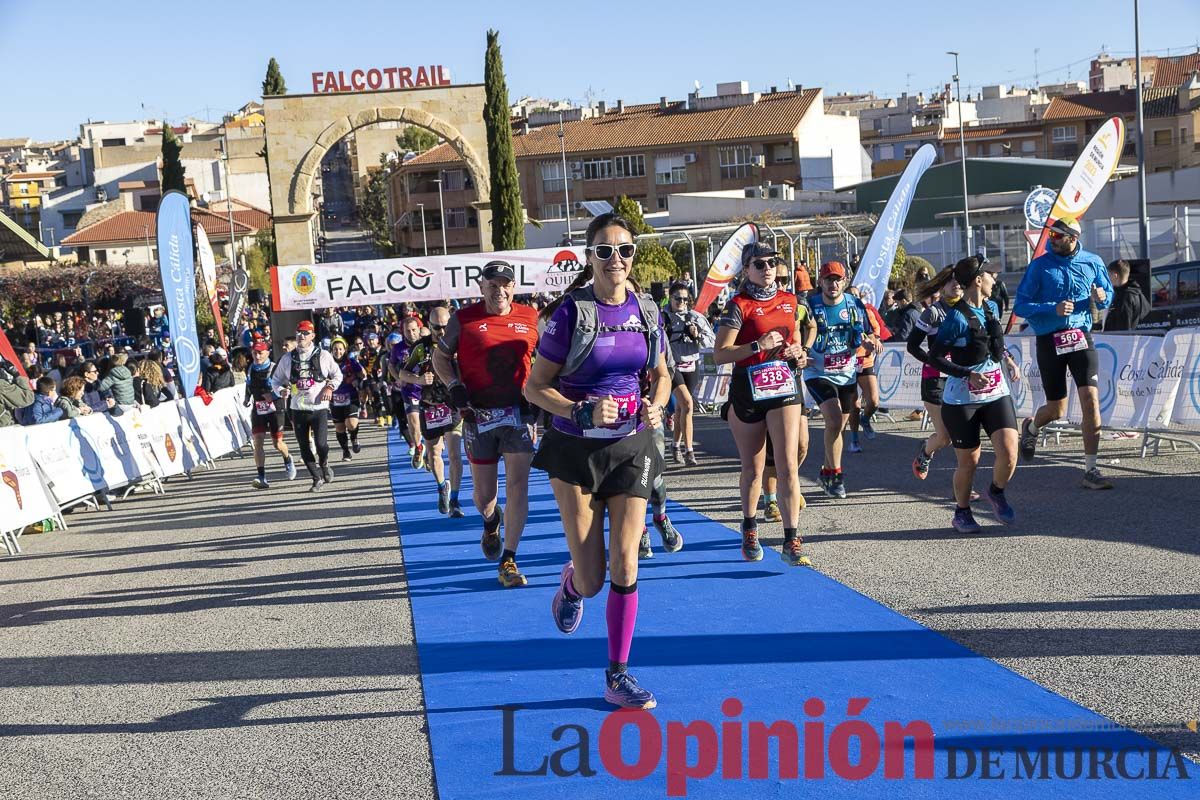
[299,195]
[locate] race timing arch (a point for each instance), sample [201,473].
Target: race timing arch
[302,128]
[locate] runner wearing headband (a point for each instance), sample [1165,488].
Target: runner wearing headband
[603,347]
[1055,296]
[757,333]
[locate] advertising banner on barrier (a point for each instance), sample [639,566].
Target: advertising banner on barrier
[163,426]
[899,376]
[135,434]
[221,433]
[23,497]
[396,280]
[69,458]
[1181,354]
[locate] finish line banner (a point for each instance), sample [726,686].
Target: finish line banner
[397,280]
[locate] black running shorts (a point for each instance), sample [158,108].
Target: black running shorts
[602,467]
[963,423]
[1084,366]
[823,390]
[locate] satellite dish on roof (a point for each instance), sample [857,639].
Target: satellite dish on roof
[696,85]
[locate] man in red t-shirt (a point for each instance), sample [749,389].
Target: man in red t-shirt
[484,358]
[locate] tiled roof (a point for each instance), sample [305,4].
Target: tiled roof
[256,218]
[132,226]
[31,176]
[919,132]
[649,125]
[990,131]
[1174,70]
[158,131]
[1160,102]
[20,141]
[1095,104]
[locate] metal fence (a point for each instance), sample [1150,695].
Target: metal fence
[1172,239]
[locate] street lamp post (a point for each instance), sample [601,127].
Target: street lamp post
[424,238]
[1143,222]
[562,144]
[149,253]
[442,212]
[962,151]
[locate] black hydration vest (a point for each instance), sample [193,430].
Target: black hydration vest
[310,369]
[984,339]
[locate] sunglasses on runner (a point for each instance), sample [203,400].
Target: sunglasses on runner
[763,263]
[437,327]
[605,251]
[1056,235]
[682,298]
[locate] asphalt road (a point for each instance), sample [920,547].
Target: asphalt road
[219,642]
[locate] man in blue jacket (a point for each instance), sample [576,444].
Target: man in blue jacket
[1054,298]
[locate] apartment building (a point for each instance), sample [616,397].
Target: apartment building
[734,139]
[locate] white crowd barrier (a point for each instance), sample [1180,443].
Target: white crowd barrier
[45,468]
[1145,382]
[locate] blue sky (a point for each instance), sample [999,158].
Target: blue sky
[84,60]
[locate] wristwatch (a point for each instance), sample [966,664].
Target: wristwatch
[754,347]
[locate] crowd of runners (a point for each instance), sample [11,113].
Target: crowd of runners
[598,387]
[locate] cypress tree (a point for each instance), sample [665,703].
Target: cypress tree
[273,82]
[172,168]
[508,217]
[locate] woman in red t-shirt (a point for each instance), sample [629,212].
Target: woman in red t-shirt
[757,334]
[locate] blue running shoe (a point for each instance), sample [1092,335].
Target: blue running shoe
[671,538]
[837,486]
[964,521]
[867,428]
[1000,507]
[444,497]
[622,690]
[751,549]
[568,612]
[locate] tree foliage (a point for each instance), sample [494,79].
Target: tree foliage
[631,210]
[652,263]
[172,167]
[374,208]
[273,83]
[416,139]
[508,217]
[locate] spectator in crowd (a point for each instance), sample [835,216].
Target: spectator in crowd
[30,357]
[149,386]
[1130,306]
[218,375]
[14,393]
[59,371]
[92,395]
[118,380]
[902,317]
[44,408]
[888,303]
[71,398]
[238,364]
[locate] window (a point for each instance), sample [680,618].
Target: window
[662,202]
[781,153]
[670,169]
[735,161]
[1160,289]
[456,218]
[1187,289]
[452,180]
[1029,146]
[552,178]
[910,150]
[554,211]
[630,166]
[1063,133]
[112,142]
[1162,138]
[996,149]
[886,152]
[597,169]
[71,218]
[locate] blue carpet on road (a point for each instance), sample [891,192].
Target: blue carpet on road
[713,627]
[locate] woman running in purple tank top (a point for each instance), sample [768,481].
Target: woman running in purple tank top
[599,450]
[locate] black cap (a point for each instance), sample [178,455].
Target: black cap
[970,268]
[499,269]
[757,250]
